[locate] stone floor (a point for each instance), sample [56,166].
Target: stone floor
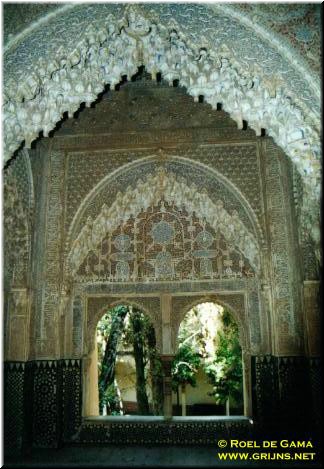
[138,456]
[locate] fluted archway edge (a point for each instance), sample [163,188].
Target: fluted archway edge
[70,55]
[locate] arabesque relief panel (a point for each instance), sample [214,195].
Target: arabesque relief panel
[165,192]
[160,214]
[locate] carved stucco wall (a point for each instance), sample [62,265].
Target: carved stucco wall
[296,25]
[284,260]
[256,61]
[122,139]
[182,200]
[75,173]
[18,211]
[110,152]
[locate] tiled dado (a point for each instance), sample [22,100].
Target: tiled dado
[284,393]
[43,401]
[157,430]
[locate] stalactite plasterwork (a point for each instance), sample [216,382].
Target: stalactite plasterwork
[160,190]
[116,49]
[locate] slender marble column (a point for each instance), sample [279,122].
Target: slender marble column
[167,387]
[90,384]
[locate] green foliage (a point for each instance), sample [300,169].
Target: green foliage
[225,371]
[121,330]
[110,329]
[109,397]
[191,332]
[104,325]
[185,366]
[129,336]
[145,336]
[156,369]
[137,321]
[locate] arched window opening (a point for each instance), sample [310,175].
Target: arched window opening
[129,367]
[207,372]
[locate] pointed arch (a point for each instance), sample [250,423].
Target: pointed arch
[111,303]
[115,48]
[215,299]
[167,185]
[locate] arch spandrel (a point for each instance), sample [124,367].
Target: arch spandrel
[108,51]
[189,168]
[163,185]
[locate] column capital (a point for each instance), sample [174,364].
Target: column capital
[166,360]
[165,357]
